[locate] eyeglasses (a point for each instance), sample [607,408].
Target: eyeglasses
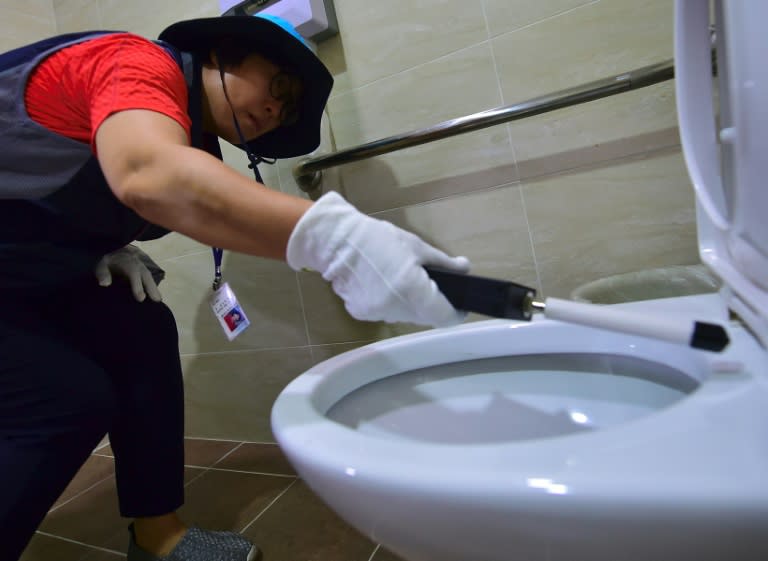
[286,88]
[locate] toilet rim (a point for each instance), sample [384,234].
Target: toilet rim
[584,464]
[337,447]
[329,381]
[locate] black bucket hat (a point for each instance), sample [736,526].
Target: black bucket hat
[270,37]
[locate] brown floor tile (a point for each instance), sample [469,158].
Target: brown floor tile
[93,518]
[44,548]
[95,469]
[260,458]
[205,453]
[222,500]
[299,527]
[192,473]
[197,452]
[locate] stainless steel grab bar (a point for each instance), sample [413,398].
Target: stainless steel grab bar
[308,171]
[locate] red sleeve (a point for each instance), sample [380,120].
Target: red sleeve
[75,89]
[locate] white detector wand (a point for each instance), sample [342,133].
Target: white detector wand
[504,299]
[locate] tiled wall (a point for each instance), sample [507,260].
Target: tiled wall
[25,21]
[553,201]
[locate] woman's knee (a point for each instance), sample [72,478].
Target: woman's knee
[141,320]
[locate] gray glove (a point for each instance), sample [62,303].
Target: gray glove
[136,266]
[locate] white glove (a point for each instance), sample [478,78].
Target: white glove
[373,265]
[126,262]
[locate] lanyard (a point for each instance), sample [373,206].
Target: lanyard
[218,253]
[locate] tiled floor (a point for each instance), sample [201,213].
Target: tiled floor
[247,487]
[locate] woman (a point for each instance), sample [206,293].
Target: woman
[108,138]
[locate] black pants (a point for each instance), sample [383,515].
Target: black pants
[76,363]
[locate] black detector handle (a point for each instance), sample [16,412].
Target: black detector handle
[490,297]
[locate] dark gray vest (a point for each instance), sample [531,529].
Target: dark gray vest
[58,215]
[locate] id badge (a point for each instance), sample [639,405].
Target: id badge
[228,311]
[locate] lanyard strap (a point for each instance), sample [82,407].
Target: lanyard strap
[218,253]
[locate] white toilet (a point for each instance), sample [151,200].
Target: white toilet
[549,441]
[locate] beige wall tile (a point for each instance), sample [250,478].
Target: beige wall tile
[230,395]
[25,22]
[624,216]
[489,227]
[331,177]
[149,18]
[380,39]
[329,323]
[433,171]
[508,15]
[40,8]
[629,123]
[447,88]
[77,15]
[267,291]
[595,41]
[453,86]
[171,246]
[325,352]
[331,52]
[284,171]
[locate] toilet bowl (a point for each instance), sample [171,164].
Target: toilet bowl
[499,441]
[649,284]
[504,441]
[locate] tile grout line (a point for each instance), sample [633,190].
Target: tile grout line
[375,550]
[277,498]
[489,38]
[230,470]
[204,439]
[89,546]
[204,469]
[266,349]
[246,472]
[531,241]
[514,157]
[242,351]
[300,292]
[81,493]
[235,448]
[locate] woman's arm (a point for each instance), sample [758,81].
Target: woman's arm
[151,169]
[374,266]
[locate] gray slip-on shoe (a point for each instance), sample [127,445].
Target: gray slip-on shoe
[200,545]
